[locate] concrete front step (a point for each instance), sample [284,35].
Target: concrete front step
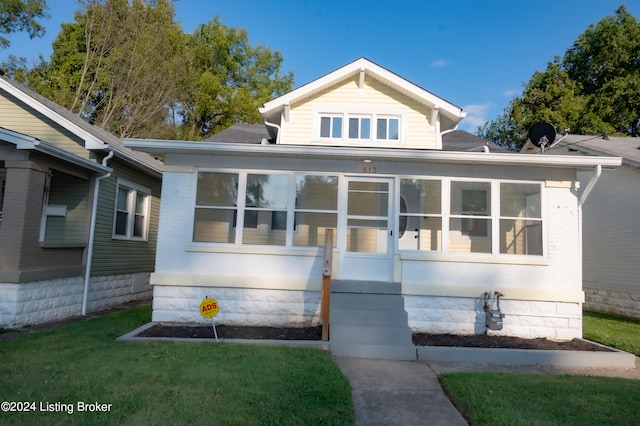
[368,320]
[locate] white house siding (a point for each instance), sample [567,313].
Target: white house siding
[443,293]
[347,97]
[611,227]
[44,301]
[540,300]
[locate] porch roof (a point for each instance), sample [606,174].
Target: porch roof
[158,146]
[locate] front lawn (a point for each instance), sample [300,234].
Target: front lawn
[518,399]
[165,382]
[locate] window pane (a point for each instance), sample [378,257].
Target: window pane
[311,227]
[217,189]
[138,226]
[365,128]
[315,192]
[267,191]
[336,131]
[471,198]
[468,235]
[382,128]
[214,226]
[368,199]
[420,233]
[263,234]
[121,223]
[140,198]
[393,128]
[421,196]
[353,128]
[521,237]
[325,127]
[520,200]
[123,195]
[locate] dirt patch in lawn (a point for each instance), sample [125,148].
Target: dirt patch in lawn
[315,333]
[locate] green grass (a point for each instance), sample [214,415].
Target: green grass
[168,382]
[616,332]
[517,399]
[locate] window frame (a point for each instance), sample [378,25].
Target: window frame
[133,190]
[359,115]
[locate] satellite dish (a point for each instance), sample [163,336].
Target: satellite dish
[542,134]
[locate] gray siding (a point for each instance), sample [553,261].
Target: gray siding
[611,232]
[114,256]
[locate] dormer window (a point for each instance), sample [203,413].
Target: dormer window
[357,127]
[331,126]
[388,129]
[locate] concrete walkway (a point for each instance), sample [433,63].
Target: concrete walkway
[403,393]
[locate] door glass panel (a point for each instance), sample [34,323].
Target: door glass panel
[367,236]
[368,199]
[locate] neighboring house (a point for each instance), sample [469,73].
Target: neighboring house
[413,203]
[78,213]
[610,227]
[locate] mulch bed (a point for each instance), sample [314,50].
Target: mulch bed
[315,333]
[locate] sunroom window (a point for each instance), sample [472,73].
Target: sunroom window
[520,219]
[420,225]
[266,198]
[316,209]
[216,207]
[470,217]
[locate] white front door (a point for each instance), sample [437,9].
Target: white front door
[367,243]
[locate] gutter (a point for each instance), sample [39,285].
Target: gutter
[276,127]
[92,232]
[592,182]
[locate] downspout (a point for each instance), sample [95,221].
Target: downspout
[92,232]
[276,127]
[592,182]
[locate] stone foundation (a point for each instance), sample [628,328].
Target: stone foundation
[52,300]
[526,319]
[612,302]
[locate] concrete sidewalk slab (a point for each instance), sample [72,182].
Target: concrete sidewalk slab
[403,393]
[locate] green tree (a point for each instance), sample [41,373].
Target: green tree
[594,88]
[21,15]
[227,80]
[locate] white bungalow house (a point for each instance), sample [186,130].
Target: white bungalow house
[610,224]
[367,153]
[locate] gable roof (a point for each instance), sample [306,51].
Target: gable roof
[95,138]
[273,109]
[460,140]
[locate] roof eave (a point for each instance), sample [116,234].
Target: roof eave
[387,154]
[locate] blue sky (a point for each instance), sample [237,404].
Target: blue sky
[475,54]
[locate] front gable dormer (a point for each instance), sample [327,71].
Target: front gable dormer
[361,104]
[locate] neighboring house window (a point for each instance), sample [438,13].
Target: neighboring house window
[3,179]
[316,209]
[131,212]
[388,129]
[420,215]
[331,127]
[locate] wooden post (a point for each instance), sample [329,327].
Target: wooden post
[326,282]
